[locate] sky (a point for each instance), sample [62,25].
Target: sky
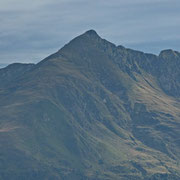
[32,30]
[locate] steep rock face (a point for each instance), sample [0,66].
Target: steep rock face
[92,110]
[169,75]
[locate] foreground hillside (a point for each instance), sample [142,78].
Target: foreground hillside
[91,111]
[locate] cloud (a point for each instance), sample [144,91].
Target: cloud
[31,30]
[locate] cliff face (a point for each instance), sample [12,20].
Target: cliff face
[93,111]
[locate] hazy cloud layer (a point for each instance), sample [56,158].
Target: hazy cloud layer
[31,30]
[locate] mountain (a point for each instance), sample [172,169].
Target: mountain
[91,111]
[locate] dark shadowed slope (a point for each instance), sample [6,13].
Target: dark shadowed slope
[92,111]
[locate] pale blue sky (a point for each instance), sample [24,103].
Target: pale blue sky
[31,30]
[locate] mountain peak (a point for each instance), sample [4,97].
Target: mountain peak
[167,53]
[84,40]
[91,32]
